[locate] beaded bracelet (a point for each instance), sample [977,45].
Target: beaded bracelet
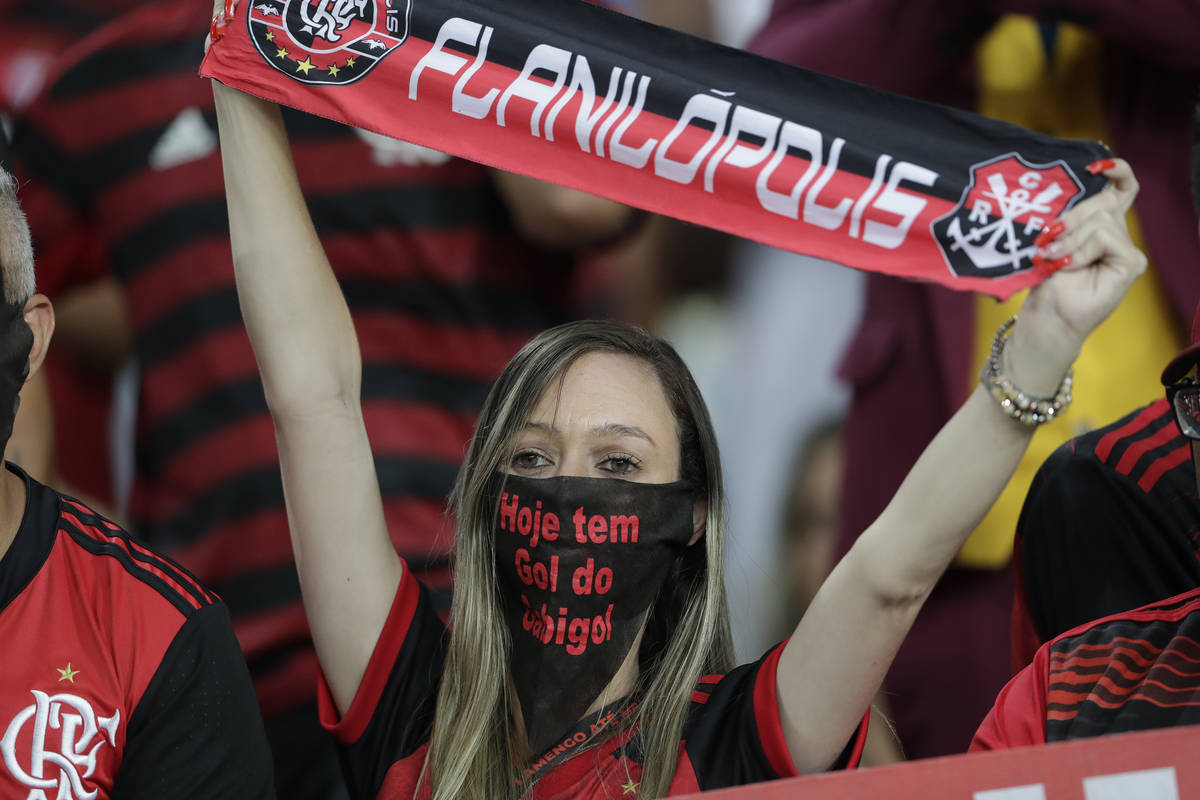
[1026,409]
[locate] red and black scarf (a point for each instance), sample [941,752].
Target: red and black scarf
[575,94]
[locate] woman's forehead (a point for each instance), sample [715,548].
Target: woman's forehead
[608,392]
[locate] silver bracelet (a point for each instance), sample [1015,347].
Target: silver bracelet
[1025,408]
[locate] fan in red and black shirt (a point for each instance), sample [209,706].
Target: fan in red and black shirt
[126,200]
[1110,524]
[1132,671]
[121,675]
[1111,521]
[732,736]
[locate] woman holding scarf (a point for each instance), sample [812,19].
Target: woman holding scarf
[590,649]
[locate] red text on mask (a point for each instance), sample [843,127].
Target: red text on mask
[573,634]
[529,522]
[599,529]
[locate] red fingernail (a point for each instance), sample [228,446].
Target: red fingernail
[1103,165]
[1055,266]
[1048,268]
[1050,234]
[220,22]
[1038,260]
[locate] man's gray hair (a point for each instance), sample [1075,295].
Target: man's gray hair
[16,245]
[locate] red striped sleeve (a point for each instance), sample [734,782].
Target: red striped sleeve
[186,588]
[349,728]
[770,725]
[1163,465]
[1138,449]
[1149,414]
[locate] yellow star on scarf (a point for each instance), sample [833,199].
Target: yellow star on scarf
[281,53]
[67,674]
[270,36]
[630,788]
[334,70]
[305,65]
[350,61]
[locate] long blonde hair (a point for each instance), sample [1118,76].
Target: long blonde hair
[472,754]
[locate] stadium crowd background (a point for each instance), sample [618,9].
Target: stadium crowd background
[849,375]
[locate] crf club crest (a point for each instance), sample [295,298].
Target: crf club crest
[1007,203]
[54,745]
[327,42]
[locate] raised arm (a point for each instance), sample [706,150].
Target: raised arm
[847,639]
[311,368]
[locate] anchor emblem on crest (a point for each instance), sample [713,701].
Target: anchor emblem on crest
[990,232]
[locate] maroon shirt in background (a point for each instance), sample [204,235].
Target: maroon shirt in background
[910,358]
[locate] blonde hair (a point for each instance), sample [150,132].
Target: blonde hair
[472,753]
[16,246]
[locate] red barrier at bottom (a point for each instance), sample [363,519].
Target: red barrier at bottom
[1152,765]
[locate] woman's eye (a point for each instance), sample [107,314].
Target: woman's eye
[620,465]
[529,459]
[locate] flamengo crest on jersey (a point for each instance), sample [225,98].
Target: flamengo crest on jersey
[1006,205]
[51,746]
[327,42]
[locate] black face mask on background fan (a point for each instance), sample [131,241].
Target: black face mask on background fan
[16,340]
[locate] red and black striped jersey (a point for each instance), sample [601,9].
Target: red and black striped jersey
[121,674]
[124,177]
[732,736]
[1111,523]
[1132,671]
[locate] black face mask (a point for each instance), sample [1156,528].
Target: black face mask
[16,340]
[579,561]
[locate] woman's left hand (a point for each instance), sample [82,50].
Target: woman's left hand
[1091,262]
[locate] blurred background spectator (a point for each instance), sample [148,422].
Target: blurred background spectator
[808,534]
[1101,70]
[809,522]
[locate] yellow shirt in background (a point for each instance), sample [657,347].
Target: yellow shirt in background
[1119,367]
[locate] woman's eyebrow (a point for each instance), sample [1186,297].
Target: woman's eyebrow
[541,427]
[617,429]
